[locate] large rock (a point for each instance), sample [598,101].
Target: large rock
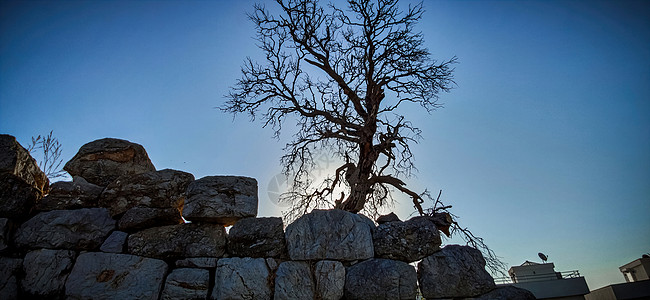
[507,292]
[102,161]
[46,271]
[406,241]
[380,279]
[115,242]
[391,217]
[293,280]
[81,229]
[16,160]
[17,198]
[242,278]
[330,234]
[98,275]
[454,272]
[329,277]
[257,237]
[221,199]
[5,231]
[183,240]
[138,218]
[155,189]
[11,268]
[186,284]
[443,222]
[70,195]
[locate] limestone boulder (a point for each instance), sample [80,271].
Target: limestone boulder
[16,160]
[221,199]
[242,278]
[380,279]
[329,277]
[454,272]
[17,198]
[70,195]
[294,280]
[257,237]
[5,232]
[330,234]
[176,241]
[443,221]
[391,217]
[102,161]
[80,229]
[11,269]
[406,241]
[46,271]
[98,275]
[115,243]
[186,284]
[156,189]
[507,292]
[138,218]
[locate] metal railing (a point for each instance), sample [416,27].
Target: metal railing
[538,277]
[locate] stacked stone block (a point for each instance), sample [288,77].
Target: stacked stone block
[117,232]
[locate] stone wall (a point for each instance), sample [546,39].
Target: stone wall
[117,231]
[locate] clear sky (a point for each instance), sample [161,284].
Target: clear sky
[544,146]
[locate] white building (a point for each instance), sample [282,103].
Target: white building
[545,283]
[636,287]
[636,270]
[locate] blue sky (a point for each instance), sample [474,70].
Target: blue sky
[544,146]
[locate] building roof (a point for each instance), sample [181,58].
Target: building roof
[634,263]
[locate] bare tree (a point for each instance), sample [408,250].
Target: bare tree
[50,149]
[343,75]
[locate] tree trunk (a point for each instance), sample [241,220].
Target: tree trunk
[359,180]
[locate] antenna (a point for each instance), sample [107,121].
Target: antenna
[543,257]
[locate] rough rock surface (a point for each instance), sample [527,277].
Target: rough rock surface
[257,237]
[115,242]
[197,262]
[16,160]
[329,277]
[273,264]
[102,161]
[242,278]
[391,217]
[454,272]
[17,198]
[221,199]
[443,221]
[146,217]
[380,279]
[157,189]
[5,231]
[70,195]
[507,292]
[11,268]
[186,284]
[330,234]
[80,229]
[406,241]
[46,271]
[98,275]
[293,280]
[183,240]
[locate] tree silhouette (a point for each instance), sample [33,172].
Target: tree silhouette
[343,75]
